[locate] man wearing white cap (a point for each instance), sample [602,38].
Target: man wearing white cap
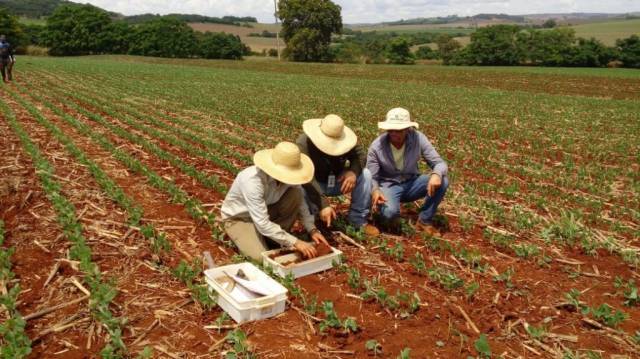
[339,169]
[266,199]
[393,162]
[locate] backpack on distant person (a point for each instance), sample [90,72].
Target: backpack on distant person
[4,50]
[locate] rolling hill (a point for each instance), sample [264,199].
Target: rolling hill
[32,8]
[608,31]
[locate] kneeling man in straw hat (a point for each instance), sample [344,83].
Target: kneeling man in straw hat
[393,161]
[339,164]
[266,199]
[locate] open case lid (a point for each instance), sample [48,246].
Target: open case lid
[245,292]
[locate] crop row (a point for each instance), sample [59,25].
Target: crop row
[102,293]
[15,343]
[495,212]
[157,241]
[204,125]
[478,203]
[507,167]
[176,131]
[193,206]
[489,158]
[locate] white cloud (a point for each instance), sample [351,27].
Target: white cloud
[357,11]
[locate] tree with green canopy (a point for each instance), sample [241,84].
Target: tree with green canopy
[546,47]
[589,53]
[77,30]
[164,37]
[11,28]
[218,45]
[495,45]
[629,50]
[307,26]
[399,51]
[447,47]
[425,52]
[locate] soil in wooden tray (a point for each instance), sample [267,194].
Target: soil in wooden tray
[322,249]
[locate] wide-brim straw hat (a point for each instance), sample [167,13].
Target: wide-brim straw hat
[285,163]
[330,135]
[397,119]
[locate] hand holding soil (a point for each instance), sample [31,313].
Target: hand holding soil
[323,249]
[306,249]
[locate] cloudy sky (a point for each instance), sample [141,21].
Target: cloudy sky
[359,11]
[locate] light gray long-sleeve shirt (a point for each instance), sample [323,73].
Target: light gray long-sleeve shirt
[383,168]
[251,193]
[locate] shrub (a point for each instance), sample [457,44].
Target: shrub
[75,29]
[629,49]
[427,53]
[164,37]
[221,46]
[12,28]
[495,45]
[398,51]
[447,47]
[33,50]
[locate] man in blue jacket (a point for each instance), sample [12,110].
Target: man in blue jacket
[7,59]
[393,162]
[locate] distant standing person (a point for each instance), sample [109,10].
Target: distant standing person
[7,59]
[393,162]
[266,199]
[339,169]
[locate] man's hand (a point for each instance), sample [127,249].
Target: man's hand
[434,183]
[327,215]
[348,180]
[318,237]
[307,249]
[377,198]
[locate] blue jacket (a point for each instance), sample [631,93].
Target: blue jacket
[9,51]
[383,168]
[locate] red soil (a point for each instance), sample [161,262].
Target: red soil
[160,311]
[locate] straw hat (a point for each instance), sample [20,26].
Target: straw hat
[397,119]
[330,135]
[285,163]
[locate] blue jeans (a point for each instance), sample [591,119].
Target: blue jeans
[409,191]
[360,198]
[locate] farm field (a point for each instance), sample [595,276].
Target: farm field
[113,170]
[408,29]
[256,44]
[608,31]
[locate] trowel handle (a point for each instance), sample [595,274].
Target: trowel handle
[208,259]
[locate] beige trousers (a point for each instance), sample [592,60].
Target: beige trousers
[247,238]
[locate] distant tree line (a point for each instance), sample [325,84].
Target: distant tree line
[456,18]
[382,47]
[32,8]
[509,45]
[312,30]
[36,9]
[230,20]
[12,29]
[75,29]
[264,33]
